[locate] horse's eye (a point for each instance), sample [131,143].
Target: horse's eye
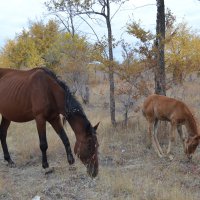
[90,144]
[194,145]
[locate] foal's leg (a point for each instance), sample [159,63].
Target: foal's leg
[171,137]
[3,134]
[150,127]
[56,124]
[155,134]
[182,135]
[41,127]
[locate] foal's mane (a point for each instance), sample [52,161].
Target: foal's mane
[72,106]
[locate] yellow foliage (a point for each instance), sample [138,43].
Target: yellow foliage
[29,48]
[135,29]
[44,35]
[183,52]
[6,55]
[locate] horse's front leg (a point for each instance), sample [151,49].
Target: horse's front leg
[56,124]
[41,127]
[3,134]
[171,139]
[182,136]
[183,139]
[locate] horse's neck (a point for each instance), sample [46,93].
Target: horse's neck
[78,124]
[191,126]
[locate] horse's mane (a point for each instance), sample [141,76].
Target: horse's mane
[72,106]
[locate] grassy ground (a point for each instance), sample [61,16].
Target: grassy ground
[128,169]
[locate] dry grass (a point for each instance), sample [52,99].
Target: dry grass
[128,170]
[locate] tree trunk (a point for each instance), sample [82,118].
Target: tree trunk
[160,83]
[111,70]
[126,116]
[86,95]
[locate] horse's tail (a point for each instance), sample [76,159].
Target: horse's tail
[143,113]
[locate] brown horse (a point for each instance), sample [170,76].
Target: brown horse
[157,107]
[39,94]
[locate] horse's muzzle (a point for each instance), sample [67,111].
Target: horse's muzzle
[189,156]
[186,149]
[92,170]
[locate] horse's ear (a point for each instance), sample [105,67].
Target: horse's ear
[96,126]
[197,137]
[63,120]
[88,127]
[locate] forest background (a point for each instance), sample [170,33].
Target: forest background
[63,45]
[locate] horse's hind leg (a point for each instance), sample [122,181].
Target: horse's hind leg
[3,134]
[149,141]
[56,124]
[41,127]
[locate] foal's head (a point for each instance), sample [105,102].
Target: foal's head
[191,145]
[86,148]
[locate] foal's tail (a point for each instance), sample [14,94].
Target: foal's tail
[144,114]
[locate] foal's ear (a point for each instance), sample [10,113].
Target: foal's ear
[197,137]
[96,126]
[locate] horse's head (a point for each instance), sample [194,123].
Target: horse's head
[191,145]
[86,148]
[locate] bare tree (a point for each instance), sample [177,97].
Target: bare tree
[89,8]
[56,7]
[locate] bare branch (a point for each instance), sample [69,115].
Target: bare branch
[117,10]
[135,8]
[89,13]
[90,27]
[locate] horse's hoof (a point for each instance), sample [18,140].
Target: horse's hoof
[171,157]
[48,170]
[11,164]
[161,155]
[72,168]
[189,158]
[70,159]
[148,146]
[45,165]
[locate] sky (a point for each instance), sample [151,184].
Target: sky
[16,14]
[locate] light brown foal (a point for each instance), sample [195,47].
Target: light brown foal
[157,107]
